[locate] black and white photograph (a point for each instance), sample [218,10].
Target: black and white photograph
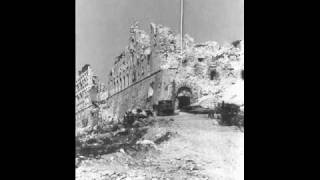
[159,91]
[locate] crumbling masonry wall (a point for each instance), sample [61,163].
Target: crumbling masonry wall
[137,69]
[136,96]
[207,69]
[85,81]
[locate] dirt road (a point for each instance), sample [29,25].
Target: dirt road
[198,150]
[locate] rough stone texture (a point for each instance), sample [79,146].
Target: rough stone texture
[136,95]
[136,62]
[203,69]
[86,84]
[137,69]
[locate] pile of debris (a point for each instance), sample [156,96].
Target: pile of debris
[126,136]
[107,132]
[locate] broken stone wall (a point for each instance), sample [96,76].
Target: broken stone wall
[137,61]
[207,69]
[166,45]
[136,96]
[83,117]
[85,83]
[210,69]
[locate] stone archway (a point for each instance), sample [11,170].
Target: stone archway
[186,92]
[184,95]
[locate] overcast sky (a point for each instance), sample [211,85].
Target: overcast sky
[102,26]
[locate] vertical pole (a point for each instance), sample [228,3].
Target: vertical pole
[181,21]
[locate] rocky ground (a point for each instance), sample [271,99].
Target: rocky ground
[197,148]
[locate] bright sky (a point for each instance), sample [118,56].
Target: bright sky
[102,26]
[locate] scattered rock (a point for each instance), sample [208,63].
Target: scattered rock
[163,138]
[122,151]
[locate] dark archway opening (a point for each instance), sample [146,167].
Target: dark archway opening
[184,97]
[183,101]
[213,74]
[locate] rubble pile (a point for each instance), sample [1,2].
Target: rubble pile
[127,136]
[104,139]
[178,168]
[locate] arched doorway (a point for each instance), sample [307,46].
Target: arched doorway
[184,95]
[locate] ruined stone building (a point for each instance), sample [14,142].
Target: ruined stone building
[102,91]
[102,96]
[85,83]
[137,79]
[155,67]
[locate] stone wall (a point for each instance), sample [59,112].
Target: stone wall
[206,70]
[136,95]
[83,116]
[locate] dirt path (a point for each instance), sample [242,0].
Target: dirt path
[219,150]
[199,150]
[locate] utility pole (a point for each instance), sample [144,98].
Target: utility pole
[173,82]
[181,22]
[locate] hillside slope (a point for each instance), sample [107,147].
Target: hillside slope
[197,149]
